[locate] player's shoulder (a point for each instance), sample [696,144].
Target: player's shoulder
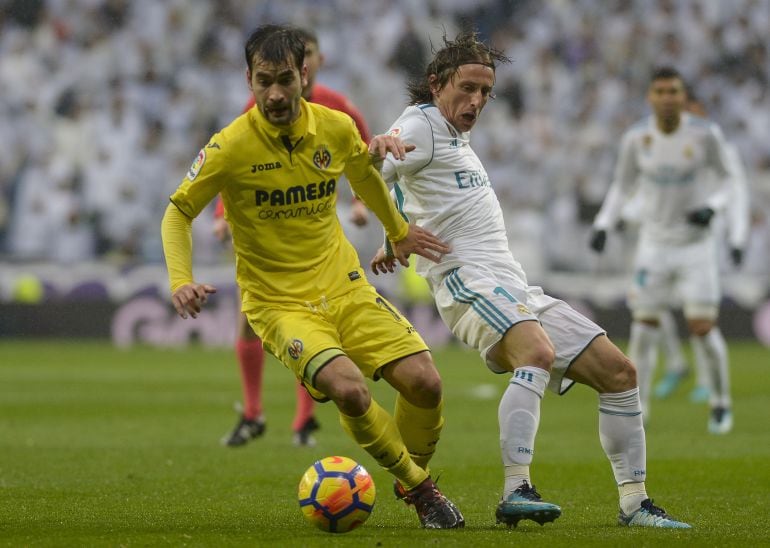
[424,110]
[332,124]
[699,124]
[326,114]
[236,130]
[638,133]
[415,118]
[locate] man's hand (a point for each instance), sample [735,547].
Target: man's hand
[700,217]
[221,229]
[382,262]
[598,240]
[359,215]
[419,241]
[736,256]
[190,297]
[380,145]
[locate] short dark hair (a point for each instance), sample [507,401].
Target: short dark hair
[665,73]
[465,49]
[275,44]
[307,35]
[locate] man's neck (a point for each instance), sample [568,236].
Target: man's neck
[307,92]
[669,125]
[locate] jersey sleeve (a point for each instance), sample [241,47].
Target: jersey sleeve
[176,233]
[368,185]
[622,187]
[738,209]
[718,160]
[207,175]
[414,129]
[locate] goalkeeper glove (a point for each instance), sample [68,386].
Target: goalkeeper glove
[598,240]
[700,217]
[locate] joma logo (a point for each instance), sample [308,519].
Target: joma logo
[265,167]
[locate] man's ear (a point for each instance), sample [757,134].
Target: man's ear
[303,76]
[248,78]
[433,84]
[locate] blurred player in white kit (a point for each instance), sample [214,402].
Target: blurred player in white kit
[667,157]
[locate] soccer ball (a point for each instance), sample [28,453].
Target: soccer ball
[336,494]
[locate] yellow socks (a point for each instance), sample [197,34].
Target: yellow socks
[376,432]
[420,429]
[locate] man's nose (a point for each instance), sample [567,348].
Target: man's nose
[275,94]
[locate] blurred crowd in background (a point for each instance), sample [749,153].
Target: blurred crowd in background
[105,103]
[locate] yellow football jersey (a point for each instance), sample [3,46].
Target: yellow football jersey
[279,189]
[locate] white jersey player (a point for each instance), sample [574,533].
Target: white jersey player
[736,218]
[483,295]
[669,156]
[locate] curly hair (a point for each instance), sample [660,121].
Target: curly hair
[465,49]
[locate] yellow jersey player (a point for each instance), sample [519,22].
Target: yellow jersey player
[303,289]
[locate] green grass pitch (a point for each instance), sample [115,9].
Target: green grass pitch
[103,447]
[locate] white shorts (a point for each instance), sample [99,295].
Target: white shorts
[479,306]
[666,275]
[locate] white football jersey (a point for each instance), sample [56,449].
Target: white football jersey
[442,187]
[669,171]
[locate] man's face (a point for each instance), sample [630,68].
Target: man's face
[277,88]
[667,98]
[466,93]
[313,61]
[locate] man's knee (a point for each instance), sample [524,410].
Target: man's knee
[417,379]
[351,397]
[542,356]
[699,327]
[525,344]
[603,367]
[342,382]
[621,375]
[425,388]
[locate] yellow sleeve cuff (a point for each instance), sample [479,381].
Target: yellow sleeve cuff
[176,232]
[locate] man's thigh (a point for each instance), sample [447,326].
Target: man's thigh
[373,332]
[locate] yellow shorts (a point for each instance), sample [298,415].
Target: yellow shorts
[360,324]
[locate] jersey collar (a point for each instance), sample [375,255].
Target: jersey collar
[684,119]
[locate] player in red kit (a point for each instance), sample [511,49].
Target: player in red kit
[248,346]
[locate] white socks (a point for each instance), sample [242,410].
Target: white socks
[643,352]
[519,417]
[672,346]
[711,355]
[631,497]
[621,434]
